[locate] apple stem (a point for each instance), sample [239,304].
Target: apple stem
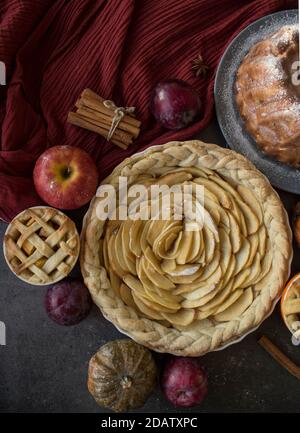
[66,172]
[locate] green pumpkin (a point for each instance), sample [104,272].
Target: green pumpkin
[122,375]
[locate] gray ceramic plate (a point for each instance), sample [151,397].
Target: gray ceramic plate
[280,175]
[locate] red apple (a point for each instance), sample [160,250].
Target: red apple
[68,302]
[65,177]
[175,104]
[184,382]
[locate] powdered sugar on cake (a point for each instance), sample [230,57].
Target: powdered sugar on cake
[268,101]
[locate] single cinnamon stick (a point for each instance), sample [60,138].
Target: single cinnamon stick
[94,101]
[77,120]
[104,118]
[90,94]
[279,356]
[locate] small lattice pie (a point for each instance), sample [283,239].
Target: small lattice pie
[181,290]
[41,245]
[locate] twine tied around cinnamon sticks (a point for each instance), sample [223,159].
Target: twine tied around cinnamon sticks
[119,114]
[117,124]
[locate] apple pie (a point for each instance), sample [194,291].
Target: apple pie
[187,286]
[41,245]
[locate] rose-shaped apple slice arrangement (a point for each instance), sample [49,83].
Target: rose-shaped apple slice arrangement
[183,271]
[65,177]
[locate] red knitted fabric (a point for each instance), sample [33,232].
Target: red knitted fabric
[118,48]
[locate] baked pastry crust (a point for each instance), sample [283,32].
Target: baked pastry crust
[267,99]
[201,335]
[41,245]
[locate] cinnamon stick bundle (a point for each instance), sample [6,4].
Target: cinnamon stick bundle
[92,114]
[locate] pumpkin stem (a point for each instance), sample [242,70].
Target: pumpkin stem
[126,382]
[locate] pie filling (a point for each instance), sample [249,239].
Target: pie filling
[180,271]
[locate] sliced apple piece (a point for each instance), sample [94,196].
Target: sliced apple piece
[254,274]
[210,224]
[209,244]
[112,258]
[186,274]
[213,208]
[126,295]
[262,236]
[225,185]
[156,227]
[231,299]
[135,235]
[155,277]
[237,308]
[119,252]
[199,290]
[148,311]
[168,266]
[207,193]
[252,222]
[160,296]
[151,304]
[266,265]
[211,268]
[194,171]
[197,246]
[229,271]
[129,257]
[220,193]
[135,285]
[242,256]
[174,252]
[169,241]
[105,253]
[235,234]
[250,199]
[254,243]
[201,315]
[208,297]
[175,178]
[153,260]
[184,317]
[115,282]
[225,249]
[192,303]
[218,298]
[185,247]
[159,248]
[224,220]
[241,278]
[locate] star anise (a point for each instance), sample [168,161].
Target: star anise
[199,67]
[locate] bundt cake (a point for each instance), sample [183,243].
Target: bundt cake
[267,99]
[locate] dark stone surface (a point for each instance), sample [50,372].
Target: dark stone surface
[43,367]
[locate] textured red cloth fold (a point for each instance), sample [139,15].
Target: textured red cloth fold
[118,48]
